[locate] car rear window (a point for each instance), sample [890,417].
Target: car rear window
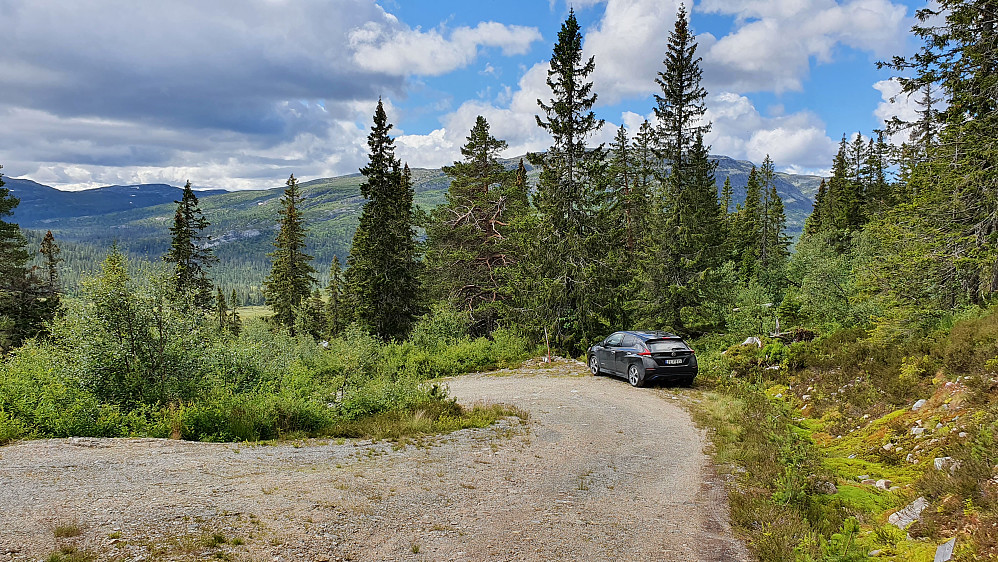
[666,345]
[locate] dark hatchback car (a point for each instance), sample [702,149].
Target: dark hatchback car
[644,357]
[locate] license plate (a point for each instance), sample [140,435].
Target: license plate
[673,361]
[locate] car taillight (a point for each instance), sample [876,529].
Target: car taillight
[645,352]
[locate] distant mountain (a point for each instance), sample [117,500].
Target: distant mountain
[243,223]
[796,191]
[42,204]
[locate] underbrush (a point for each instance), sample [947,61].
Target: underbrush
[806,428]
[263,384]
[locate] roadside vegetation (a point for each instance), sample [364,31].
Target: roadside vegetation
[126,361]
[824,440]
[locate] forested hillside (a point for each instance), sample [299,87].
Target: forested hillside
[849,376]
[243,222]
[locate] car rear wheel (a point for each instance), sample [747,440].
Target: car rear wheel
[594,366]
[633,375]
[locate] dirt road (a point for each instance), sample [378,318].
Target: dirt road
[601,471]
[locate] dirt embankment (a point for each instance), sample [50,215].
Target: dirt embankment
[601,471]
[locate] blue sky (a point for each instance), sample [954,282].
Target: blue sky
[240,93]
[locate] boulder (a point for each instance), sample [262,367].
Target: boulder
[944,551]
[904,517]
[918,405]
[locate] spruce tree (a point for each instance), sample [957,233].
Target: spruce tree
[383,267]
[570,268]
[291,274]
[727,196]
[775,243]
[621,171]
[337,307]
[681,106]
[235,323]
[27,302]
[221,311]
[13,255]
[748,225]
[50,255]
[844,197]
[189,251]
[816,220]
[690,243]
[953,213]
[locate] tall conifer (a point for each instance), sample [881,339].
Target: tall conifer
[383,267]
[468,239]
[569,268]
[189,251]
[689,244]
[291,274]
[27,302]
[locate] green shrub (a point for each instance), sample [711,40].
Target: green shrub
[10,428]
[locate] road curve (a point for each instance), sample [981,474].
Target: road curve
[601,471]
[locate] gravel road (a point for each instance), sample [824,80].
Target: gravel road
[601,471]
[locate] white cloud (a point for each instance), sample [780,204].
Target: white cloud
[630,43]
[514,123]
[774,41]
[401,51]
[741,132]
[894,103]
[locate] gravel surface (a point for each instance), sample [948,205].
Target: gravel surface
[601,471]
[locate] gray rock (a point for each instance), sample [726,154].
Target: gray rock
[868,482]
[883,484]
[904,517]
[944,551]
[874,553]
[888,446]
[918,405]
[940,463]
[917,430]
[826,488]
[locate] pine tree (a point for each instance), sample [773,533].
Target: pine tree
[291,274]
[189,251]
[468,238]
[570,270]
[383,268]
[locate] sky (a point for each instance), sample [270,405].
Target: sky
[239,94]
